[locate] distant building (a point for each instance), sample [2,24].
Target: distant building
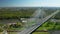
[24,20]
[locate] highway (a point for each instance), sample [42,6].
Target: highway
[38,23]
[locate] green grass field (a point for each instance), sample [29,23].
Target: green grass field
[47,26]
[40,33]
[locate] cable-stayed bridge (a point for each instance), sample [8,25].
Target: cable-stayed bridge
[38,21]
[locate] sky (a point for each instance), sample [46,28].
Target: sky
[29,3]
